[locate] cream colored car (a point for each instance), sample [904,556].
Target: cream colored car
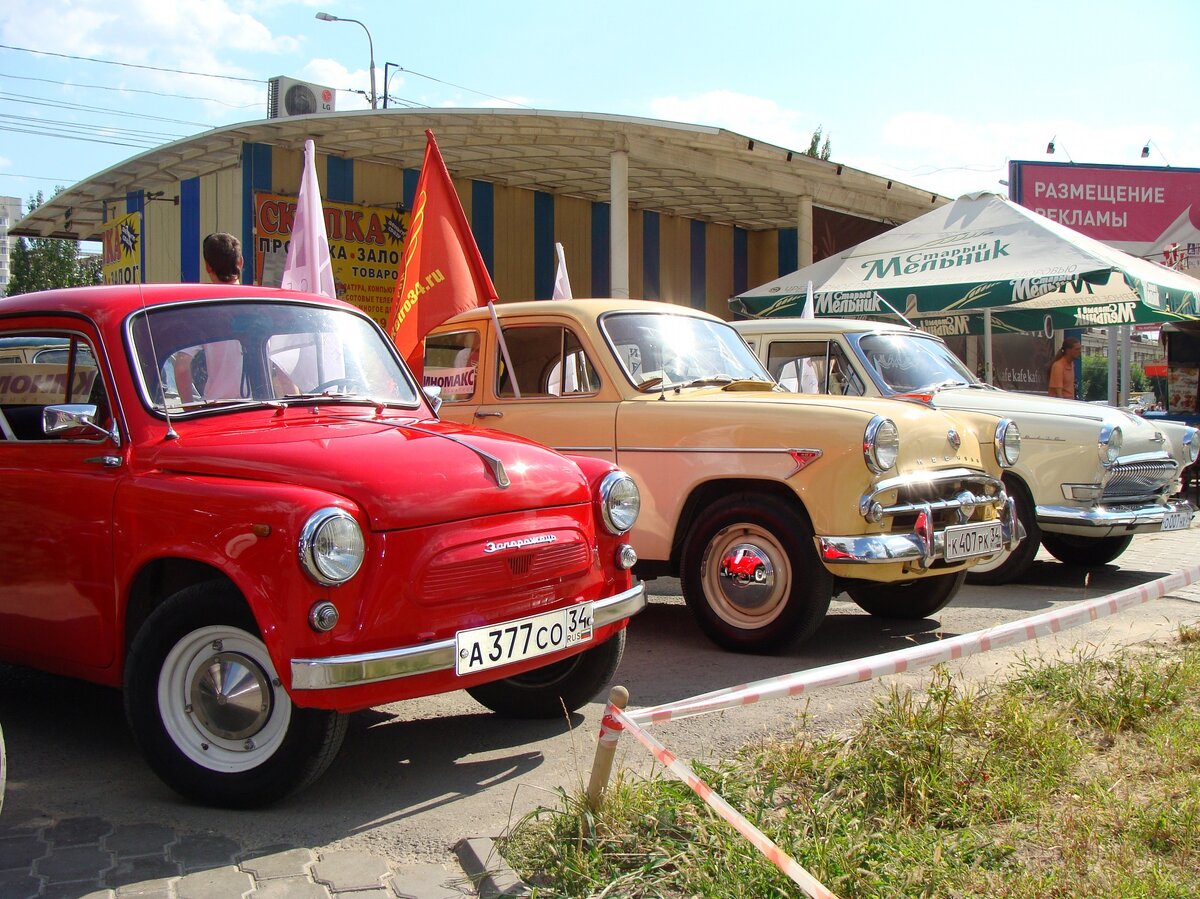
[762,502]
[1089,478]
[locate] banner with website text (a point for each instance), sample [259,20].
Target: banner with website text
[365,243]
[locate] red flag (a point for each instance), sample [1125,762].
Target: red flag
[441,270]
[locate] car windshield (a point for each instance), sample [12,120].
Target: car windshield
[657,348]
[910,363]
[201,356]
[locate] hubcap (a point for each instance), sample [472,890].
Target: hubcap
[221,700]
[230,696]
[747,577]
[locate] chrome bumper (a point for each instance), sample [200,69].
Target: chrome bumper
[1130,519]
[922,548]
[405,661]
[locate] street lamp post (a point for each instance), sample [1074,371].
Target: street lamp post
[326,17]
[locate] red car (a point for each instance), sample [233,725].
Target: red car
[235,504]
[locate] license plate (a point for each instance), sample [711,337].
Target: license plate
[971,540]
[481,648]
[1176,521]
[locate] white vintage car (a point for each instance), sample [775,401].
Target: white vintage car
[1089,476]
[763,503]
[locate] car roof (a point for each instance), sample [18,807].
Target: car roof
[821,326]
[588,308]
[108,302]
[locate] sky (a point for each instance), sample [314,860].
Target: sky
[938,95]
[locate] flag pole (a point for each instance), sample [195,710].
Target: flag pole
[512,372]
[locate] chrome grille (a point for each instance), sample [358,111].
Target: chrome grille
[1139,479]
[448,579]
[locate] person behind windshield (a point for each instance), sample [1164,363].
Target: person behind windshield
[215,372]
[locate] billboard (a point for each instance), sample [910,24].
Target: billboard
[122,241]
[365,243]
[1147,211]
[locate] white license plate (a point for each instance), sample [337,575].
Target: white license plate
[481,648]
[1176,521]
[970,540]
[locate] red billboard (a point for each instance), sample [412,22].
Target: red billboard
[1147,211]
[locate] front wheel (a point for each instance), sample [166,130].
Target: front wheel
[1008,565]
[787,597]
[1090,552]
[209,711]
[912,600]
[557,688]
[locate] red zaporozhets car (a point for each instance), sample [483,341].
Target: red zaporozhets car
[235,504]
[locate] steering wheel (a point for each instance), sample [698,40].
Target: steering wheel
[339,385]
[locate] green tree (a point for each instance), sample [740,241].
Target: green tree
[1095,378]
[44,263]
[816,148]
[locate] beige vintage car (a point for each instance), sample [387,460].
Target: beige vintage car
[1090,476]
[763,503]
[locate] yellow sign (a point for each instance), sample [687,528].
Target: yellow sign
[122,240]
[365,245]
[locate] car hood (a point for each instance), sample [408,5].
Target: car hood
[404,473]
[1139,434]
[723,418]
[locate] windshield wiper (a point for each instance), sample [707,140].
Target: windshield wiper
[711,379]
[934,388]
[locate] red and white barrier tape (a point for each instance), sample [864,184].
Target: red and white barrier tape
[858,670]
[761,841]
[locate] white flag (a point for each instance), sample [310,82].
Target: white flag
[308,266]
[809,381]
[562,283]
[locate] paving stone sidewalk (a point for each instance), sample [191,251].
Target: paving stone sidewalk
[90,858]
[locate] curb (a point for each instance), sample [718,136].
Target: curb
[487,869]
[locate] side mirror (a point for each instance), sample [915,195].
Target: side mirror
[433,393]
[71,416]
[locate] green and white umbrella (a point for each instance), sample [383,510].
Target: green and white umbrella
[983,252]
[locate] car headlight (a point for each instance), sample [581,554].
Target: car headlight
[1111,439]
[1008,443]
[881,444]
[1191,445]
[620,502]
[331,546]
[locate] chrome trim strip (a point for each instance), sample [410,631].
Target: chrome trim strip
[987,491]
[707,449]
[406,661]
[882,549]
[1149,515]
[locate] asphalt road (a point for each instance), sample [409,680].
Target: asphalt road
[413,778]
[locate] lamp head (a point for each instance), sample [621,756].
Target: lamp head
[1050,147]
[326,17]
[1146,150]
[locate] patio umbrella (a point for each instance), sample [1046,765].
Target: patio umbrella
[983,252]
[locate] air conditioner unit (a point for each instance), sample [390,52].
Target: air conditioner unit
[289,97]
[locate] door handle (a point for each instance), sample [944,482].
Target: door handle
[481,414]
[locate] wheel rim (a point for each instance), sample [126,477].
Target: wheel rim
[758,595]
[221,701]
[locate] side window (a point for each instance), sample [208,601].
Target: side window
[451,363]
[548,360]
[48,369]
[800,366]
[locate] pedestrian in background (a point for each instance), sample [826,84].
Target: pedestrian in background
[1062,368]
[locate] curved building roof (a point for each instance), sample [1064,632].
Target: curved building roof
[692,171]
